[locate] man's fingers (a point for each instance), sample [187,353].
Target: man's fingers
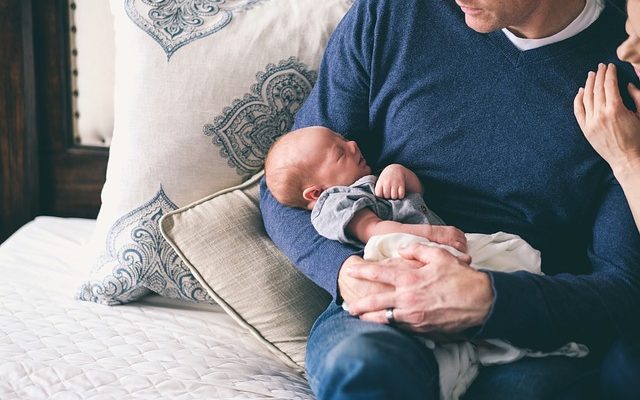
[379,317]
[465,258]
[373,273]
[424,254]
[373,303]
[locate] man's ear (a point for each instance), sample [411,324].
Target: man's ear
[312,193]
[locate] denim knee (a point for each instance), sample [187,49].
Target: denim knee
[620,376]
[375,365]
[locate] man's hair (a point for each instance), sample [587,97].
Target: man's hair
[286,176]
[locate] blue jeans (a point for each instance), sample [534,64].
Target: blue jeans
[620,378]
[352,359]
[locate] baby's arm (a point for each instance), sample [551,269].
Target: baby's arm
[365,224]
[395,181]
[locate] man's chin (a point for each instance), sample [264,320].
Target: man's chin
[479,25]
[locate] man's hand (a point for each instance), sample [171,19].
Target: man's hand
[353,289]
[395,181]
[443,295]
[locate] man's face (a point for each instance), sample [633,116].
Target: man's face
[490,15]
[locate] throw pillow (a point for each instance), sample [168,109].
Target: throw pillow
[202,89]
[223,242]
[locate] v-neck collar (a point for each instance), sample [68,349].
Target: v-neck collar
[587,37]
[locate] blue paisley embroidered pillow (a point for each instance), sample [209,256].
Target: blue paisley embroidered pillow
[203,87]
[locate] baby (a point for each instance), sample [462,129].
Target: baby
[316,169]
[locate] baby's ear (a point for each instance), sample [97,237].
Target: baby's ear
[312,193]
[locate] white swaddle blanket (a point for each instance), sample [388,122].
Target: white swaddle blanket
[459,362]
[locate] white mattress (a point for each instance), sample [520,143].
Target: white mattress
[54,347]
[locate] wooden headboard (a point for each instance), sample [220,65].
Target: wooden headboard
[43,171]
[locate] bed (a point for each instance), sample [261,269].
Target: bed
[55,347]
[57,126]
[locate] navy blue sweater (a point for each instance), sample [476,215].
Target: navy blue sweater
[491,133]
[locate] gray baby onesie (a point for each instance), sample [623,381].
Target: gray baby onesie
[337,205]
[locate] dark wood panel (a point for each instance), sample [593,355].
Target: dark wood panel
[42,171]
[71,176]
[18,129]
[75,182]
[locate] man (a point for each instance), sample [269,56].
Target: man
[484,118]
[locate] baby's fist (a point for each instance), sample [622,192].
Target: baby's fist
[391,183]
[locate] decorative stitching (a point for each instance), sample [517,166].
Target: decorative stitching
[245,130]
[176,23]
[143,260]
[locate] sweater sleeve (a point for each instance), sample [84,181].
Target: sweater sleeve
[545,312]
[315,256]
[339,101]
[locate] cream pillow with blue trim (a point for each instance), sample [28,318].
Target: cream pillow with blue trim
[202,89]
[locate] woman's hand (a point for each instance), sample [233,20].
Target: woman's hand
[612,129]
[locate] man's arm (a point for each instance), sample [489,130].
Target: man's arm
[547,311]
[339,101]
[532,311]
[290,229]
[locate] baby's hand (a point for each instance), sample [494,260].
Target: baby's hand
[448,235]
[392,181]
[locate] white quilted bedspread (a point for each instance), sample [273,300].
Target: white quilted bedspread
[53,347]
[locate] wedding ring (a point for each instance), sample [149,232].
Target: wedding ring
[389,314]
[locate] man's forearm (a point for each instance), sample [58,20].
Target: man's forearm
[290,229]
[545,312]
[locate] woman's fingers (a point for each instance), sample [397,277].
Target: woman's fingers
[588,93]
[635,95]
[599,98]
[578,108]
[612,93]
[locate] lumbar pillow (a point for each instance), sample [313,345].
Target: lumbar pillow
[202,89]
[223,242]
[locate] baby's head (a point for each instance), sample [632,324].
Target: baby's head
[302,164]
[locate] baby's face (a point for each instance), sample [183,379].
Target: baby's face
[337,162]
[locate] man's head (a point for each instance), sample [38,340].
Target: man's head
[303,163]
[532,19]
[629,50]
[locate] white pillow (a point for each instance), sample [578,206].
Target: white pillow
[202,88]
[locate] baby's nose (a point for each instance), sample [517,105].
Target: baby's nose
[353,146]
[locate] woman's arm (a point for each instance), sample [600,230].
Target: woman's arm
[612,129]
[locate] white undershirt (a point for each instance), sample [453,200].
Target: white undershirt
[591,12]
